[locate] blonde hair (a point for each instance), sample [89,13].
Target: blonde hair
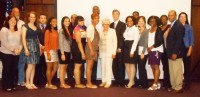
[106,21]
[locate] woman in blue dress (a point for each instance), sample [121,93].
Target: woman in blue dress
[31,48]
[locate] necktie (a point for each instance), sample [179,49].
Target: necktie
[42,27]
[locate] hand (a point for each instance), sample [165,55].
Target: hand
[83,57]
[48,57]
[131,55]
[12,49]
[63,57]
[142,56]
[188,53]
[119,50]
[149,49]
[113,56]
[91,53]
[174,56]
[27,53]
[17,52]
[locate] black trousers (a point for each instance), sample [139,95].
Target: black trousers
[187,67]
[40,71]
[143,81]
[118,68]
[166,76]
[9,72]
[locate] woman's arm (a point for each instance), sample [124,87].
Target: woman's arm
[90,32]
[61,39]
[24,30]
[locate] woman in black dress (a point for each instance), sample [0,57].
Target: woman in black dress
[78,45]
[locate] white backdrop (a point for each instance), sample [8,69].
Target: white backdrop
[126,7]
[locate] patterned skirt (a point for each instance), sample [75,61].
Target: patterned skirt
[34,50]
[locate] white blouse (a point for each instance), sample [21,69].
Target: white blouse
[132,33]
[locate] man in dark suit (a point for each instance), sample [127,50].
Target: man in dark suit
[175,45]
[118,66]
[40,71]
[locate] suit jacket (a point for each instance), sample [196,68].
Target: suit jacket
[41,35]
[175,43]
[120,29]
[111,43]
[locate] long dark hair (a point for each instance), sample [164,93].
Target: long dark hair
[49,24]
[78,18]
[63,27]
[186,22]
[6,23]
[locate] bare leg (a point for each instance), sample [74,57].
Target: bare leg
[89,72]
[48,72]
[62,73]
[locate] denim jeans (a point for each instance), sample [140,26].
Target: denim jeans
[21,69]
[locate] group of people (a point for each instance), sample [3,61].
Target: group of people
[119,46]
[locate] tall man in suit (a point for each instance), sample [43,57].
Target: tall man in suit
[175,45]
[118,66]
[40,71]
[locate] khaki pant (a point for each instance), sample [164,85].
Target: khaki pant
[176,73]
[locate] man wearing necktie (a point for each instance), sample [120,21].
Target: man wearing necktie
[175,45]
[40,71]
[118,66]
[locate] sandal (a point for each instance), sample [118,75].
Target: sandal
[92,87]
[153,87]
[65,86]
[28,86]
[102,84]
[51,87]
[34,87]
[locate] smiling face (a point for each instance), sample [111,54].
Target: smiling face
[115,15]
[164,20]
[12,22]
[130,22]
[53,23]
[141,22]
[32,18]
[66,22]
[172,16]
[42,19]
[182,18]
[95,20]
[81,23]
[152,22]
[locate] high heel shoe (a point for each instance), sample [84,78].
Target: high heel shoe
[28,86]
[34,87]
[102,84]
[153,87]
[64,86]
[107,86]
[92,87]
[130,85]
